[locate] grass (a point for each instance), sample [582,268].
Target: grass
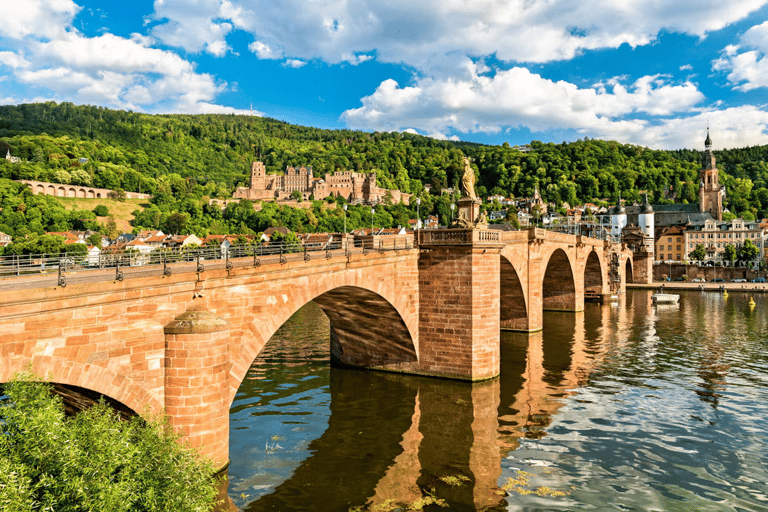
[121,210]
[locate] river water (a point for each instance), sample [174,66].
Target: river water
[623,407]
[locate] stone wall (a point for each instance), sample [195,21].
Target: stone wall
[61,190]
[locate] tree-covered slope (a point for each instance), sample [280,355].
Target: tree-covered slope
[169,155]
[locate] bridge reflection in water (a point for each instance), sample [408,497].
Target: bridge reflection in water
[394,439]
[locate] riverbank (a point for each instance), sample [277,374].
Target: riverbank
[682,285]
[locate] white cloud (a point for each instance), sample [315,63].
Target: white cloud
[195,25]
[294,63]
[111,52]
[747,63]
[40,18]
[13,60]
[517,98]
[263,51]
[419,34]
[736,127]
[118,72]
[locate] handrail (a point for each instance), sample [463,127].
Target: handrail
[68,268]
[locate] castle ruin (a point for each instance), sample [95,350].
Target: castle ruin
[355,187]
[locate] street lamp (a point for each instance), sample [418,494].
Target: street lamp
[453,207]
[345,219]
[373,210]
[418,216]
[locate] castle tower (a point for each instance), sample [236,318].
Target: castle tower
[710,191]
[258,176]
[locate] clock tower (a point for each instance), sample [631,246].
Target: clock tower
[710,192]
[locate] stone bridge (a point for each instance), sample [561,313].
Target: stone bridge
[183,343]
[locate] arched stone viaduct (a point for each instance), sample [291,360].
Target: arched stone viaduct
[183,343]
[61,190]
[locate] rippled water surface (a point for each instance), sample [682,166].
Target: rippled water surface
[623,407]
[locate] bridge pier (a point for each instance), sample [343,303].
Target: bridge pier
[196,382]
[459,304]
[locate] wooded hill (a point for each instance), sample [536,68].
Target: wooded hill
[181,158]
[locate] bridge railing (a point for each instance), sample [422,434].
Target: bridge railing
[45,270]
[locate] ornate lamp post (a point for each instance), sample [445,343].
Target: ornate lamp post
[345,219]
[418,216]
[453,207]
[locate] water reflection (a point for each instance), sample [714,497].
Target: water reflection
[630,406]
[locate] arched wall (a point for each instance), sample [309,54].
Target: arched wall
[386,311]
[593,274]
[102,380]
[629,276]
[559,285]
[513,306]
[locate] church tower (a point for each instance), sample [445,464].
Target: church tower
[710,191]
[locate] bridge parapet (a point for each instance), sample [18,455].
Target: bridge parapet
[453,237]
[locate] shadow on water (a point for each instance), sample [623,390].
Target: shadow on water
[623,407]
[395,440]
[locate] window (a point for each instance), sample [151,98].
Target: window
[678,247]
[678,257]
[669,248]
[661,256]
[669,239]
[678,239]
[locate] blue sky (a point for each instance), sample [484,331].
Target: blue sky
[647,72]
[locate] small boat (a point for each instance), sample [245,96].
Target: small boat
[665,298]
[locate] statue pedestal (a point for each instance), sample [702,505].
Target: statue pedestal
[469,214]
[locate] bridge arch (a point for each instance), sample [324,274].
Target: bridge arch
[559,285]
[373,324]
[513,303]
[629,276]
[593,274]
[58,370]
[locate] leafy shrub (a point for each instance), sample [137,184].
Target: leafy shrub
[101,210]
[93,461]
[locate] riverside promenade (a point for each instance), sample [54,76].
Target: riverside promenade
[712,287]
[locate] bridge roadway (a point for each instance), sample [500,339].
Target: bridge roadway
[182,343]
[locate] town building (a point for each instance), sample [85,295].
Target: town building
[355,187]
[670,244]
[716,236]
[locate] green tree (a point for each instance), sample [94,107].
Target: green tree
[176,223]
[118,194]
[748,252]
[101,210]
[93,461]
[698,253]
[730,253]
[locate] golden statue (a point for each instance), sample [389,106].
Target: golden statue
[468,181]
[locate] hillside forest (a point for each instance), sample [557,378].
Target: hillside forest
[186,160]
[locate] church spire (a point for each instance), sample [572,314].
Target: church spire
[708,141]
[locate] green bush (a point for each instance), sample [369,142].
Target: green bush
[93,461]
[101,210]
